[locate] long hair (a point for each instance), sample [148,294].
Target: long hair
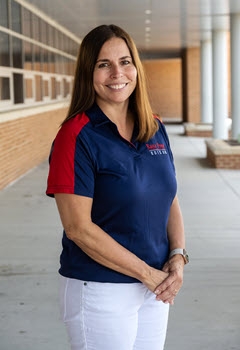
[83,95]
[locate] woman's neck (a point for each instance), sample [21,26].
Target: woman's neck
[121,117]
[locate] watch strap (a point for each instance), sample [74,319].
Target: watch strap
[180,251]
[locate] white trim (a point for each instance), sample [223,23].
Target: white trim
[27,112]
[38,43]
[7,71]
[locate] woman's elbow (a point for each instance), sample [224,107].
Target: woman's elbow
[73,232]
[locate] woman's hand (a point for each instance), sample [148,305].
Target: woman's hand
[154,278]
[168,289]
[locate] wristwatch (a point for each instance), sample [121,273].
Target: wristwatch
[182,252]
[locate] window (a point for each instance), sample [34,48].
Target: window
[37,57]
[4,13]
[28,55]
[17,53]
[33,65]
[44,32]
[26,23]
[45,60]
[4,51]
[16,18]
[18,88]
[4,88]
[35,28]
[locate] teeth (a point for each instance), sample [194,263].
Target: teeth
[117,87]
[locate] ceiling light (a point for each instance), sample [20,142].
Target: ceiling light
[148,12]
[147,29]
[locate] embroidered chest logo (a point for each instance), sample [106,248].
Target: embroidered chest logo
[156,149]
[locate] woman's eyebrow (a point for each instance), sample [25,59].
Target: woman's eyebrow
[107,60]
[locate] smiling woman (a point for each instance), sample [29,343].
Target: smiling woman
[113,179]
[114,80]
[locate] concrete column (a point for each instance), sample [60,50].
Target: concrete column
[220,84]
[206,82]
[235,74]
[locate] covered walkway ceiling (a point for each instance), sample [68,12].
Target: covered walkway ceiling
[158,26]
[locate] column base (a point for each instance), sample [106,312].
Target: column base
[198,129]
[223,154]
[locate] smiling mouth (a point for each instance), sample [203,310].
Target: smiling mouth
[117,86]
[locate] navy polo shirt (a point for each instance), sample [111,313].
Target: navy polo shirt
[132,185]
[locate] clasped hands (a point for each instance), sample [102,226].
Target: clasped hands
[171,280]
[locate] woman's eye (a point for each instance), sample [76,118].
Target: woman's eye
[103,65]
[125,62]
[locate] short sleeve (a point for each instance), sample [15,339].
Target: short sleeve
[71,165]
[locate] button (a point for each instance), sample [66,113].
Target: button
[85,283]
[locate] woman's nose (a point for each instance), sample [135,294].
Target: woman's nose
[116,71]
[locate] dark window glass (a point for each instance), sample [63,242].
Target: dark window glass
[60,41]
[16,19]
[65,43]
[4,88]
[18,88]
[52,62]
[37,64]
[51,36]
[4,13]
[73,48]
[45,60]
[4,51]
[44,32]
[36,28]
[65,65]
[28,54]
[26,23]
[17,53]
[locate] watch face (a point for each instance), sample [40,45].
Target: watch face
[186,257]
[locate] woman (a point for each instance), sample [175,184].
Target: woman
[113,179]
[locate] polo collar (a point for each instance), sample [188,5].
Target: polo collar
[97,116]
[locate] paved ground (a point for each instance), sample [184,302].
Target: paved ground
[206,314]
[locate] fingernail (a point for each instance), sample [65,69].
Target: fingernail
[157,291]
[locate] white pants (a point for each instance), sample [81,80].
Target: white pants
[112,316]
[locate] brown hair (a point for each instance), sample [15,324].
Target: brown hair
[83,95]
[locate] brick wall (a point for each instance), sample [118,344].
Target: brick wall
[223,161]
[191,85]
[25,143]
[165,86]
[221,154]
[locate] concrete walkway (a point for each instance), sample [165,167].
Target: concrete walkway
[206,314]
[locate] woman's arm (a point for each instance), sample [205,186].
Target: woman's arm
[175,226]
[75,214]
[167,290]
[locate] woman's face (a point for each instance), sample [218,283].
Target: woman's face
[114,76]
